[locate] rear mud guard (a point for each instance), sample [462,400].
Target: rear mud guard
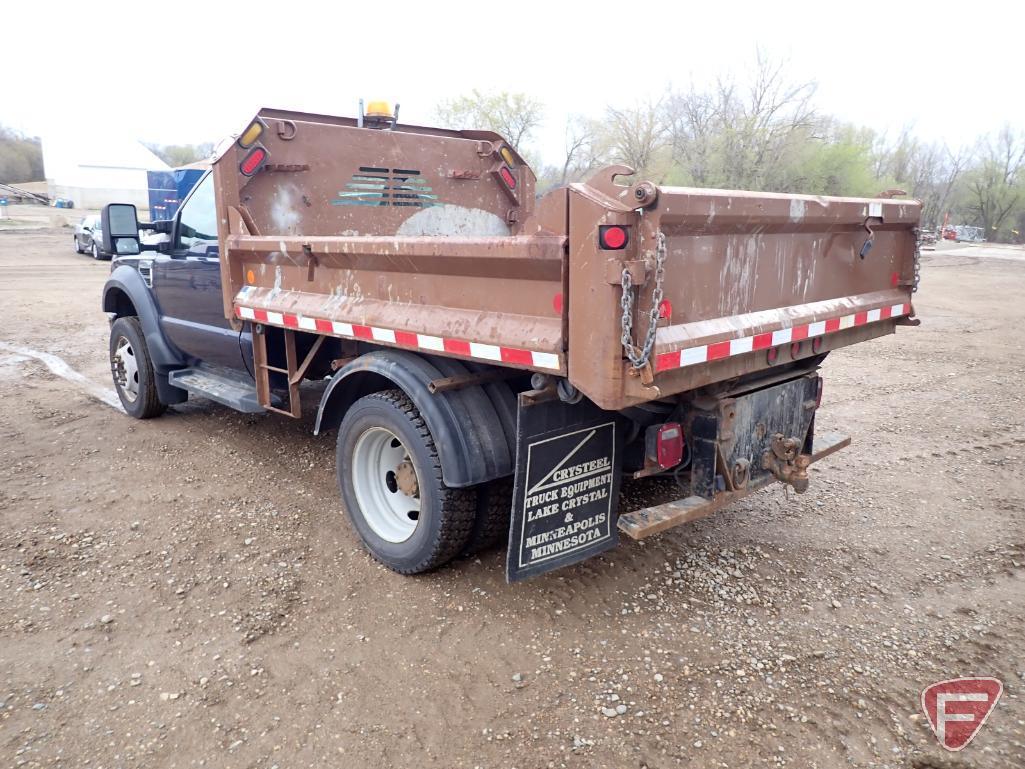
[467,427]
[566,491]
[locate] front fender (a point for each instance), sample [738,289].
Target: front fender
[126,284]
[468,431]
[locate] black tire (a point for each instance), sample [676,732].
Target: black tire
[494,508]
[146,404]
[98,254]
[446,515]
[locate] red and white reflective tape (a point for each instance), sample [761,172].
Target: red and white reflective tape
[511,355]
[708,352]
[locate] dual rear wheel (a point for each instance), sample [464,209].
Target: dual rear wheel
[389,473]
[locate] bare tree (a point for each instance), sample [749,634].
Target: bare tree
[691,119]
[996,186]
[746,135]
[931,172]
[937,173]
[637,136]
[513,115]
[21,157]
[764,125]
[586,149]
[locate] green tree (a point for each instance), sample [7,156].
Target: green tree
[836,161]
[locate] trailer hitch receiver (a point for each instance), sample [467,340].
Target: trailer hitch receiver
[784,460]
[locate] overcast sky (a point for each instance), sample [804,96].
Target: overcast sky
[177,72]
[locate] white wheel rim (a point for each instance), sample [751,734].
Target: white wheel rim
[379,462]
[126,369]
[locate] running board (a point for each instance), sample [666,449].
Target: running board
[652,520]
[223,387]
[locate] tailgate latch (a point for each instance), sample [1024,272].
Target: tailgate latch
[638,269]
[784,460]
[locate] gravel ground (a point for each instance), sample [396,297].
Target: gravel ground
[186,592]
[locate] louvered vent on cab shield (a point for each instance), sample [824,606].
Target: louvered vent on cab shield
[372,186]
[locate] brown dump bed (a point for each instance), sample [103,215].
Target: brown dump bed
[432,240]
[751,279]
[406,237]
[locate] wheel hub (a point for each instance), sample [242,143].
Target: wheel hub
[125,369]
[386,486]
[405,479]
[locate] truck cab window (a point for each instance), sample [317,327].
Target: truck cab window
[198,219]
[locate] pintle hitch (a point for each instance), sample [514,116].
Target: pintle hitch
[784,460]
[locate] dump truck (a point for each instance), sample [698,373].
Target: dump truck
[496,363]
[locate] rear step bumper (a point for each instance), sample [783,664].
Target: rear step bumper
[652,520]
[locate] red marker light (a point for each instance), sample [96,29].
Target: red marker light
[663,445]
[557,303]
[612,237]
[669,445]
[771,355]
[507,177]
[894,279]
[665,309]
[253,161]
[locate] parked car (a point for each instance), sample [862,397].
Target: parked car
[89,237]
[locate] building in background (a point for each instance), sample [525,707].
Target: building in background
[94,171]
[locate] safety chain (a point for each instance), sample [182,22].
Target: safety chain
[918,254]
[639,357]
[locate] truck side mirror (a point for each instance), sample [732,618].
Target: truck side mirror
[120,225]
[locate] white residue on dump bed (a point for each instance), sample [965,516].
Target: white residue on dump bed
[282,211]
[454,220]
[807,267]
[795,268]
[739,275]
[346,291]
[797,208]
[711,214]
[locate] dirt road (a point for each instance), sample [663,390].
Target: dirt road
[185,592]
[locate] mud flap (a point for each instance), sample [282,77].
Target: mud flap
[566,492]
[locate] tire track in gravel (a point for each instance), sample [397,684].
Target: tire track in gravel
[60,367]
